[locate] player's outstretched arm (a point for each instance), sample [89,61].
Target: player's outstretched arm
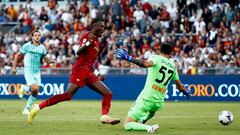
[15,62]
[181,88]
[122,54]
[142,63]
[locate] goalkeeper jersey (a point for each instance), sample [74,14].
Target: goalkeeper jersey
[158,78]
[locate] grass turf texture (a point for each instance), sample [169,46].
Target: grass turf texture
[82,118]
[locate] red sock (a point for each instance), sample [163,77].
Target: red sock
[106,103]
[55,99]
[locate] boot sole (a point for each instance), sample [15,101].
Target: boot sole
[112,123]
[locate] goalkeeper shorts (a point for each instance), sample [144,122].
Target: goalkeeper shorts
[141,107]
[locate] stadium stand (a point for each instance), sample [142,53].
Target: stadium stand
[205,33]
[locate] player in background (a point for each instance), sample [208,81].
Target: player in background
[84,73]
[33,52]
[160,71]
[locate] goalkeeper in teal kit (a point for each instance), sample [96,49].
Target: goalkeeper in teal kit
[160,71]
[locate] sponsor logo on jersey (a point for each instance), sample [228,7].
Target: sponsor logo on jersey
[158,88]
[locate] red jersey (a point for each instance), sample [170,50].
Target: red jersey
[87,58]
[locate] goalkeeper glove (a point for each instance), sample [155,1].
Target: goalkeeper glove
[187,93]
[122,54]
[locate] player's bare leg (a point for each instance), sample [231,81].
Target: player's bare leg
[101,88]
[22,90]
[131,124]
[32,98]
[71,89]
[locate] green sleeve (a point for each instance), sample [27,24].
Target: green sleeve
[175,75]
[24,49]
[153,58]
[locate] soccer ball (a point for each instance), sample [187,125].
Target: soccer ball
[225,117]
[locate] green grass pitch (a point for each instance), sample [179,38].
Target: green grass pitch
[82,118]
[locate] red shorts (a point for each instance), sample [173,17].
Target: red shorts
[82,77]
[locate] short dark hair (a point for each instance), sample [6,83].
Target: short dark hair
[96,22]
[36,30]
[166,48]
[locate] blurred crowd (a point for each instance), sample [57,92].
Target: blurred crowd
[204,33]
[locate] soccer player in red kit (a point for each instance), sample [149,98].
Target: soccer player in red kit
[84,73]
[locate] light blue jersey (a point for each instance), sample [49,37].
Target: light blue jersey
[32,56]
[32,62]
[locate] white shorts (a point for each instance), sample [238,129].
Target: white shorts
[33,78]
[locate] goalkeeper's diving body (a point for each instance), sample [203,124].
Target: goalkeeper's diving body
[160,71]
